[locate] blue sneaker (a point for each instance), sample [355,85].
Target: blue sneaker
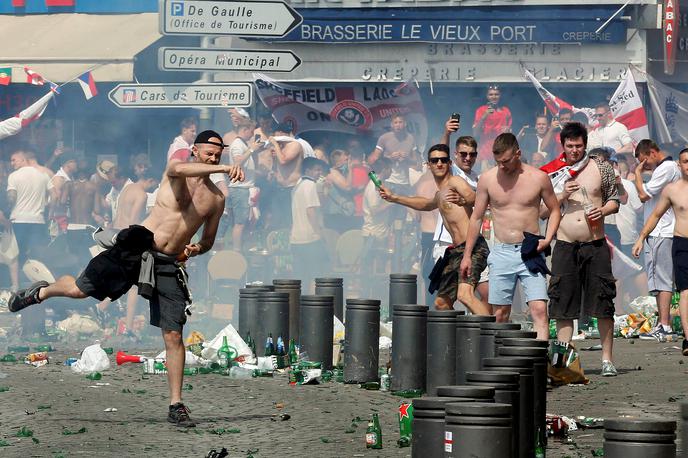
[657,333]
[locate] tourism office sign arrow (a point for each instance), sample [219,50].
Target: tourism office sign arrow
[182,95]
[223,60]
[203,17]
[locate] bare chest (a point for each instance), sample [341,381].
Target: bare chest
[590,179]
[517,192]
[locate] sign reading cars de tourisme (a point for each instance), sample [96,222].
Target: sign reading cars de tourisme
[170,95]
[204,17]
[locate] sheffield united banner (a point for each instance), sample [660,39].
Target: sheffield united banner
[342,108]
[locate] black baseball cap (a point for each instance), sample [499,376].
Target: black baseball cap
[206,135]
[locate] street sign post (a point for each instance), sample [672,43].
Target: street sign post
[223,60]
[205,17]
[173,95]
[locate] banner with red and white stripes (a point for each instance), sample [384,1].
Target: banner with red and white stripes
[627,108]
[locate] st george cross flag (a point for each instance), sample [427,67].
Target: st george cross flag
[33,77]
[627,108]
[552,102]
[88,85]
[14,124]
[344,108]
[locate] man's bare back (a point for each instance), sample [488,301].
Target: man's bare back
[289,158]
[131,208]
[81,200]
[514,201]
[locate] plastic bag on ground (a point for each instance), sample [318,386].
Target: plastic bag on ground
[386,329]
[93,359]
[234,339]
[78,324]
[647,305]
[190,360]
[385,343]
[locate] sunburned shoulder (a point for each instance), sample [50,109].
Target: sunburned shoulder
[533,172]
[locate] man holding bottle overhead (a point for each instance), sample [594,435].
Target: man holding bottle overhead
[581,260]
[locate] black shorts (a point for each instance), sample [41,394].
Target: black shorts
[113,272]
[679,256]
[581,279]
[169,298]
[453,255]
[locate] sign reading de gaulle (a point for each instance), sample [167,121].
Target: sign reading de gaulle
[173,95]
[203,17]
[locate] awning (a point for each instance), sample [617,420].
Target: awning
[62,46]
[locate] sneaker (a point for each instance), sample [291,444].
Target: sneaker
[26,297]
[685,347]
[179,415]
[608,369]
[657,333]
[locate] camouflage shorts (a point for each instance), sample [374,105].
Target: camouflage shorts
[449,284]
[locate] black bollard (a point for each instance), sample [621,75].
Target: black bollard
[427,440]
[402,290]
[260,286]
[316,328]
[507,391]
[272,317]
[248,309]
[465,393]
[477,429]
[293,288]
[362,354]
[509,334]
[488,331]
[332,287]
[441,360]
[539,356]
[636,438]
[468,344]
[526,425]
[524,342]
[409,347]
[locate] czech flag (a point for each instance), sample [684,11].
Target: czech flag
[33,77]
[88,85]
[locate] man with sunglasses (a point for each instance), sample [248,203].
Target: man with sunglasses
[609,132]
[513,191]
[454,200]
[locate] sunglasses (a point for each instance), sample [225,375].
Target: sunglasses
[471,154]
[443,160]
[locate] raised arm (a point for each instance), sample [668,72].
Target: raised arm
[178,169]
[415,202]
[287,154]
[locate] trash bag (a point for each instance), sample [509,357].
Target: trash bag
[78,324]
[233,339]
[93,359]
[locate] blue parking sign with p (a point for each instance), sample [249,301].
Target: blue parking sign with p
[177,8]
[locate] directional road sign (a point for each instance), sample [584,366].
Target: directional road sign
[172,95]
[205,17]
[223,60]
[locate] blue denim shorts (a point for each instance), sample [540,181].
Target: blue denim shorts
[506,266]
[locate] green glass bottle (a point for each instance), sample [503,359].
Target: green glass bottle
[109,350]
[8,359]
[190,371]
[293,357]
[539,446]
[405,419]
[375,179]
[18,349]
[94,376]
[373,386]
[282,361]
[223,354]
[374,433]
[43,348]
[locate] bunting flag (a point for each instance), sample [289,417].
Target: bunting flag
[627,108]
[33,77]
[54,87]
[5,76]
[88,85]
[15,124]
[59,2]
[553,103]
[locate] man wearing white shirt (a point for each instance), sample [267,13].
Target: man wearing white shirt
[609,132]
[185,139]
[657,249]
[241,153]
